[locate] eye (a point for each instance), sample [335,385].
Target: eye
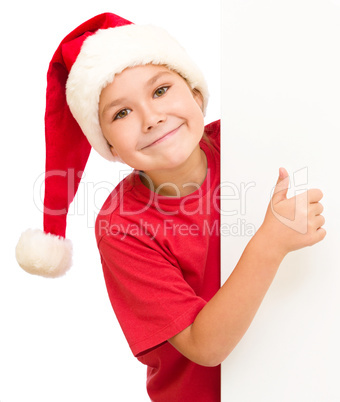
[160,91]
[121,114]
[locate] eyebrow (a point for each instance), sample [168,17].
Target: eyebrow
[153,79]
[112,104]
[149,83]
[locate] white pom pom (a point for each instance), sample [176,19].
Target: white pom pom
[43,254]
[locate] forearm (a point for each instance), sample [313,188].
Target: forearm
[226,317]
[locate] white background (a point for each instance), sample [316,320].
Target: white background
[59,339]
[281,104]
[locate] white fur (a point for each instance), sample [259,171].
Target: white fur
[109,52]
[43,254]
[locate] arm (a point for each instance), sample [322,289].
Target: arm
[226,317]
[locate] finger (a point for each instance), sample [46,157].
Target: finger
[316,208]
[319,221]
[281,188]
[319,235]
[314,195]
[282,174]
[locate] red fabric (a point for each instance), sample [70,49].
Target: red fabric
[161,263]
[67,149]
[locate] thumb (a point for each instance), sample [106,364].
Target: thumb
[281,188]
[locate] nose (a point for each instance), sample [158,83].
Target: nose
[153,116]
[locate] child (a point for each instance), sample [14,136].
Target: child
[139,99]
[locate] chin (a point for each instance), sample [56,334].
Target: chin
[176,160]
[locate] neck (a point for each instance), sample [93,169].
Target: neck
[180,181]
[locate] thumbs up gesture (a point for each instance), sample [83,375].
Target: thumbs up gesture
[293,223]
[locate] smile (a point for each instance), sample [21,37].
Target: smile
[163,137]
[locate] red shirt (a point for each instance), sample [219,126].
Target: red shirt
[161,263]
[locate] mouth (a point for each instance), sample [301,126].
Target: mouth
[164,137]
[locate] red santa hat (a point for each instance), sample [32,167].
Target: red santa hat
[85,62]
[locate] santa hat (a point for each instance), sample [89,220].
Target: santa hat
[85,62]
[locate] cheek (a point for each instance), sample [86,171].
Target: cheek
[198,117]
[116,134]
[187,106]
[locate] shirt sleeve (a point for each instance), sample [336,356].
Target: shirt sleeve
[150,297]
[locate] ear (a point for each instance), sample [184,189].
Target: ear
[115,154]
[113,151]
[198,97]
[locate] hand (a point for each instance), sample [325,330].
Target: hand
[294,223]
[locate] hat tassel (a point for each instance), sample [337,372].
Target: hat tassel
[44,254]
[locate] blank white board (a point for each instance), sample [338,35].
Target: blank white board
[280,107]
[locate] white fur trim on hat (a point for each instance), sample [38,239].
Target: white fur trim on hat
[108,52]
[43,254]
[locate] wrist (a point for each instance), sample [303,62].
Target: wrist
[269,245]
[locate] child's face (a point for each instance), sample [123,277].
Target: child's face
[151,118]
